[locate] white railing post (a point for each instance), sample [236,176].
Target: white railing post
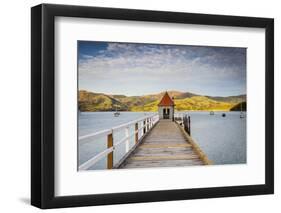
[127,146]
[136,133]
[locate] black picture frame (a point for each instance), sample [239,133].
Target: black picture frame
[43,105]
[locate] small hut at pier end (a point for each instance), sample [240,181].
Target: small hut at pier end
[166,107]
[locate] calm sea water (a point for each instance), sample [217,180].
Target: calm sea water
[223,139]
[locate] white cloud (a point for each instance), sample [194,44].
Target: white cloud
[153,62]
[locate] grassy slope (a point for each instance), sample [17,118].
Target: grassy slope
[98,102]
[201,103]
[238,107]
[89,101]
[193,103]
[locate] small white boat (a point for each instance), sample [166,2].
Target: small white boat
[212,113]
[116,113]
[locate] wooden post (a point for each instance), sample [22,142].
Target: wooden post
[110,155]
[184,123]
[136,133]
[189,131]
[144,127]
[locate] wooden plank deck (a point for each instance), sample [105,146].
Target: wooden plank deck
[166,145]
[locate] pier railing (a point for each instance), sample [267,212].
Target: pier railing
[146,124]
[184,120]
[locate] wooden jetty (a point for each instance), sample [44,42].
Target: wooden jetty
[160,140]
[166,145]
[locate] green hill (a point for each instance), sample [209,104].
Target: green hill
[231,99]
[239,106]
[201,103]
[89,101]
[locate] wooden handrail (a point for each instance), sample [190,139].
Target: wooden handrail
[185,121]
[150,121]
[108,131]
[96,134]
[94,160]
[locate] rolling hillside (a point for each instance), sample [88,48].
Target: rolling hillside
[92,102]
[231,99]
[240,106]
[89,101]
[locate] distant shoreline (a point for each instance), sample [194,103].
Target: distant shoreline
[184,101]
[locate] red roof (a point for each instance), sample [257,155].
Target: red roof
[166,101]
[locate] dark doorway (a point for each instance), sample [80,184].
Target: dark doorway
[166,113]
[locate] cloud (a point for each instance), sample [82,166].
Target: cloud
[84,56]
[147,62]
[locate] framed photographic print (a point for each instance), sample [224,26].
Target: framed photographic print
[139,106]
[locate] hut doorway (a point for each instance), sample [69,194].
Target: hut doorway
[166,113]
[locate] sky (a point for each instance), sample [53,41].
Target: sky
[139,69]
